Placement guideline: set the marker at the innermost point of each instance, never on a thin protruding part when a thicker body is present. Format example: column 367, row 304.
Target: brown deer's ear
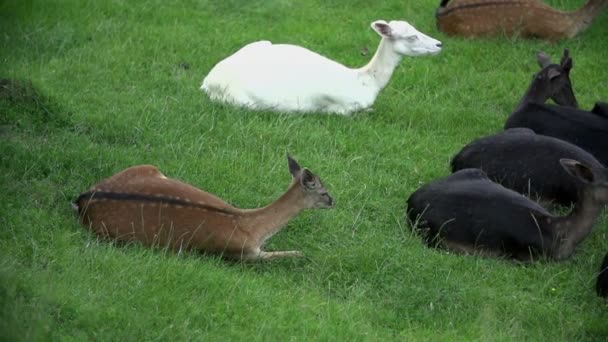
column 578, row 170
column 308, row 180
column 294, row 167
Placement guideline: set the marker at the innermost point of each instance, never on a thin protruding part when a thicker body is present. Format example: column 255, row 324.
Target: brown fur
column 526, row 18
column 141, row 204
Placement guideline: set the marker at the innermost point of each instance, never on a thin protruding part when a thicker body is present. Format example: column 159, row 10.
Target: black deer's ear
column 308, row 180
column 566, row 61
column 567, row 64
column 552, row 73
column 578, row 170
column 294, row 167
column 543, row 59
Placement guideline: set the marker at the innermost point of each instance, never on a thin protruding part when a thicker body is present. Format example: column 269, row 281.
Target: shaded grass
column 109, row 90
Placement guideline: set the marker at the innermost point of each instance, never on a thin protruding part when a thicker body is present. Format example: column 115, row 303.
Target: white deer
column 290, row 78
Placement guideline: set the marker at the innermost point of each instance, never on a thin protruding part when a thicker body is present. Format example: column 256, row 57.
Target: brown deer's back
column 528, row 18
column 141, row 204
column 148, row 180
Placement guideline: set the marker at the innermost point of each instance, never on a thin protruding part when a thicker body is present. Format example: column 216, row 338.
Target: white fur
column 290, row 78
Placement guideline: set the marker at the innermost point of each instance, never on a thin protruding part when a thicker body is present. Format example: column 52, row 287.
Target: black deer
column 586, row 129
column 602, row 279
column 468, row 212
column 528, row 163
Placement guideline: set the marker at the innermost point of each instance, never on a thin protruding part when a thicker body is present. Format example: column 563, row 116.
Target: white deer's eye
column 411, row 39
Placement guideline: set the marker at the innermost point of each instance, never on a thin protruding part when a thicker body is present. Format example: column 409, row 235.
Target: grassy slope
column 114, row 95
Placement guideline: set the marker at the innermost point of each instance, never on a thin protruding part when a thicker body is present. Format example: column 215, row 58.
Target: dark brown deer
column 586, row 129
column 552, row 81
column 525, row 18
column 141, row 204
column 467, row 212
column 528, row 163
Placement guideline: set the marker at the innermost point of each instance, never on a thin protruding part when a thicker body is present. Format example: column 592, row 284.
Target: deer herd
column 496, row 202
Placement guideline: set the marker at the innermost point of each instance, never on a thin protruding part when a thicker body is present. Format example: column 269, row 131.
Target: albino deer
column 141, row 204
column 527, row 18
column 290, row 78
column 467, row 212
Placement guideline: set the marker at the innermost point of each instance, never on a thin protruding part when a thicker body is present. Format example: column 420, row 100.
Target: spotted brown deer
column 467, row 212
column 526, row 18
column 141, row 204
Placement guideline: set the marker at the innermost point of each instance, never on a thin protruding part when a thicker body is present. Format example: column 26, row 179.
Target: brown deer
column 141, row 204
column 527, row 18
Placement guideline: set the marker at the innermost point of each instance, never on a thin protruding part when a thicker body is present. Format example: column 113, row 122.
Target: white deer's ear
column 383, row 28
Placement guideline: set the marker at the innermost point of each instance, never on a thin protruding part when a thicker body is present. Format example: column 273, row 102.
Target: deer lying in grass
column 528, row 163
column 523, row 161
column 526, row 18
column 141, row 204
column 467, row 212
column 587, row 130
column 602, row 279
column 290, row 78
column 552, row 81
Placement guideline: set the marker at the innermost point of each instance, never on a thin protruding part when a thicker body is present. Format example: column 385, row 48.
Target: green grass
column 109, row 90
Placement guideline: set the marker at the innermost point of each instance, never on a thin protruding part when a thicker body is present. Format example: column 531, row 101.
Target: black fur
column 602, row 279
column 527, row 163
column 600, row 108
column 467, row 208
column 588, row 130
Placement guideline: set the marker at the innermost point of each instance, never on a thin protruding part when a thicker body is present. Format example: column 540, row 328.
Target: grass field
column 115, row 83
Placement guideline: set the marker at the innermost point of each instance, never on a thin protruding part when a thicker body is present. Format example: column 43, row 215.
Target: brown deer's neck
column 584, row 16
column 262, row 223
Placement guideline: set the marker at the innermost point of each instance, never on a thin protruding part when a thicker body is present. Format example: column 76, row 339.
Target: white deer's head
column 406, row 40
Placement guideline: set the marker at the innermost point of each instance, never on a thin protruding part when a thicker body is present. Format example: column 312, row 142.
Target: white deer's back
column 288, row 78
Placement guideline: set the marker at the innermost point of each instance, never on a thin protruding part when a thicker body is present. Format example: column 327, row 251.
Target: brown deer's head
column 315, row 194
